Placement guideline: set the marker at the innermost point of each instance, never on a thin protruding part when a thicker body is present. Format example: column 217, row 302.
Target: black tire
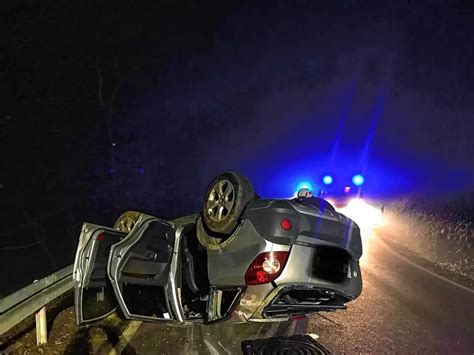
column 221, row 214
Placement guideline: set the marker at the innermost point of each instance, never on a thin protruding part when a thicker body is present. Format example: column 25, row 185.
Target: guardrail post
column 41, row 327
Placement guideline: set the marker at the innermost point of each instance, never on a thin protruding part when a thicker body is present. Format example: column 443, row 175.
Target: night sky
column 108, row 106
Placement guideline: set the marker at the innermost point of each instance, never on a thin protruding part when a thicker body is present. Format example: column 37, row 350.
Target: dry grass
column 442, row 233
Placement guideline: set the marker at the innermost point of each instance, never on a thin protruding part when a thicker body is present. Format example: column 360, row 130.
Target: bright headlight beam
column 363, row 213
column 368, row 217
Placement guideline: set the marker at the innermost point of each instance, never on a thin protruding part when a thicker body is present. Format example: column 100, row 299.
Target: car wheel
column 126, row 221
column 225, row 201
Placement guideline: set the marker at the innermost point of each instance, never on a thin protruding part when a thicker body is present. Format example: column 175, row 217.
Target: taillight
column 285, row 224
column 266, row 267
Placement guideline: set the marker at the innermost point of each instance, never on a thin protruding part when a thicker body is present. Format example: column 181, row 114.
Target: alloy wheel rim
column 220, row 201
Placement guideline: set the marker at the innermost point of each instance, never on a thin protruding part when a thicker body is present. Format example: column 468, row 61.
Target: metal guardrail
column 15, row 307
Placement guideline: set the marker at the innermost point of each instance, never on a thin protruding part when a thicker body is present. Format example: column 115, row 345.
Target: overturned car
column 242, row 259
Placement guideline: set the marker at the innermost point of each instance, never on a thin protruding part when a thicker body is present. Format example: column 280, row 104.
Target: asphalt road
column 404, row 308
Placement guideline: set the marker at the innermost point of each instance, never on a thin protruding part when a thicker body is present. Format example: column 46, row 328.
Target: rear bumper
column 265, row 303
column 301, row 289
column 287, row 301
column 302, row 267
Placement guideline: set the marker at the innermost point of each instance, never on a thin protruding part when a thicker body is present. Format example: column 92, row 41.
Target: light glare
column 363, row 213
column 358, row 180
column 304, row 185
column 328, row 180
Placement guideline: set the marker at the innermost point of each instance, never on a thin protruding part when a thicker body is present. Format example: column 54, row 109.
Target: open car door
column 139, row 270
column 93, row 294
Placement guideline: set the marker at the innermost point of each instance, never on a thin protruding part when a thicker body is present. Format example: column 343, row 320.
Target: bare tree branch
column 112, row 98
column 100, row 82
column 38, row 242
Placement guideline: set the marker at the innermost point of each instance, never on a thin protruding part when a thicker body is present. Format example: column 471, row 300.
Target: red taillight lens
column 285, row 224
column 266, row 267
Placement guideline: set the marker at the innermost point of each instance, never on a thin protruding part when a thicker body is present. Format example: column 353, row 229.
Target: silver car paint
column 325, row 214
column 298, row 270
column 227, row 266
column 85, row 259
column 171, row 289
column 116, row 261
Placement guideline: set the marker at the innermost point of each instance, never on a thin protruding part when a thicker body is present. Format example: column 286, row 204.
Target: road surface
column 404, row 308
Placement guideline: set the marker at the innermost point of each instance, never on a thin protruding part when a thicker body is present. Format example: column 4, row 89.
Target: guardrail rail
column 17, row 306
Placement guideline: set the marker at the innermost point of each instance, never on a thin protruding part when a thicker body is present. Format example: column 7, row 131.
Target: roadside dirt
column 65, row 337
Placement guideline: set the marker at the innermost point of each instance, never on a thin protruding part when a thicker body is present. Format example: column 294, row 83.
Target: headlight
column 363, row 213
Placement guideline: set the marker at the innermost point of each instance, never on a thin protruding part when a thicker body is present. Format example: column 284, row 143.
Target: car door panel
column 139, row 268
column 93, row 294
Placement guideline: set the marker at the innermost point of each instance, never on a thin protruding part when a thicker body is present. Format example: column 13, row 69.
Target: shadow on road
column 87, row 341
column 212, row 339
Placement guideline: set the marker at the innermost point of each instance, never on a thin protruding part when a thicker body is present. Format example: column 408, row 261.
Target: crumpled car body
column 285, row 259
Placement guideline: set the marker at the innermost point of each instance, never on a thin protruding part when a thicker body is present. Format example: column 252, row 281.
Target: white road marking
column 454, row 283
column 127, row 334
column 211, row 348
